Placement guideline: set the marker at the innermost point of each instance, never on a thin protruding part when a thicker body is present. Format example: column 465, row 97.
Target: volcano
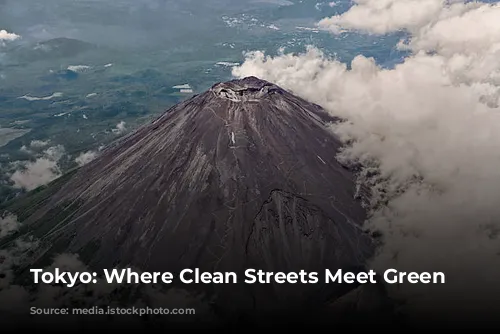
column 241, row 176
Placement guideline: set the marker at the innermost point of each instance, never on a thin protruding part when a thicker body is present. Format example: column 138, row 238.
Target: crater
column 246, row 89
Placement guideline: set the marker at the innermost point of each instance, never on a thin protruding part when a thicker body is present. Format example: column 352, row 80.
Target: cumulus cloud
column 8, row 36
column 39, row 143
column 8, row 224
column 85, row 157
column 35, row 174
column 39, row 172
column 68, row 262
column 427, row 133
column 79, row 68
column 55, row 152
column 25, row 148
column 384, row 16
column 120, row 128
column 36, row 145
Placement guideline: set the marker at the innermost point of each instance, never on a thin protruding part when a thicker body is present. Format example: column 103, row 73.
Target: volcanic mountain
column 242, row 176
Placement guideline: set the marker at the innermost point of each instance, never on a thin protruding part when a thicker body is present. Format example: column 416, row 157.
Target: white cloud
column 120, row 128
column 85, row 157
column 8, row 224
column 39, row 172
column 68, row 262
column 45, row 98
column 39, row 143
column 430, row 127
column 79, row 68
column 184, row 86
column 35, row 144
column 8, row 36
column 383, row 16
column 24, row 148
column 35, row 174
column 55, row 152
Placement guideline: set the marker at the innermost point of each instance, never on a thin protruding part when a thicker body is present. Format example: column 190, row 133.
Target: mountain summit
column 242, row 176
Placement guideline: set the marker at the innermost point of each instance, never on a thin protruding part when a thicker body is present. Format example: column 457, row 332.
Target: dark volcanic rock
column 241, row 176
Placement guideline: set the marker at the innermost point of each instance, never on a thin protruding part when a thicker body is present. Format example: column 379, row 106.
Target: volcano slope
column 242, row 176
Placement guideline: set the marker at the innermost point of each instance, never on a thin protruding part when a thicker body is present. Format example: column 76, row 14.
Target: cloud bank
column 427, row 133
